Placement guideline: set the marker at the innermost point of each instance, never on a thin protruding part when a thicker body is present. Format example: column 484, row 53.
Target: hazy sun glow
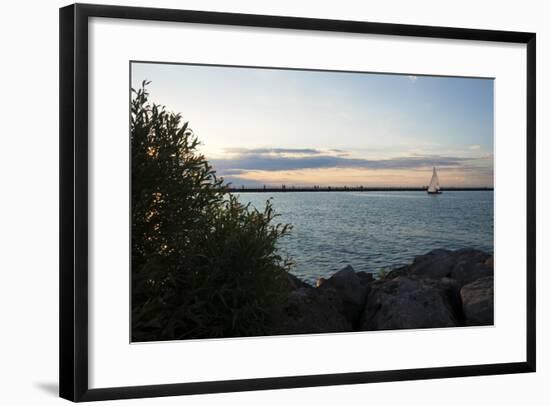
column 361, row 177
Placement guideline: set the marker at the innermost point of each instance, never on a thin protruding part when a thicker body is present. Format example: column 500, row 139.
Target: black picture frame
column 73, row 254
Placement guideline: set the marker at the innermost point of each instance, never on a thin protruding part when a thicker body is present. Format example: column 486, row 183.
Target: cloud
column 275, row 151
column 285, row 159
column 475, row 147
column 339, row 152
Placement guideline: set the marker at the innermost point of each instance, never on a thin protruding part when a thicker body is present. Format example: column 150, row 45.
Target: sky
column 304, row 128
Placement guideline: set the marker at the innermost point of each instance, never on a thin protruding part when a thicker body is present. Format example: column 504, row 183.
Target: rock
column 399, row 271
column 464, row 265
column 435, row 264
column 403, row 303
column 471, row 265
column 309, row 310
column 478, row 302
column 439, row 289
column 352, row 290
column 350, row 286
column 296, row 283
column 365, row 277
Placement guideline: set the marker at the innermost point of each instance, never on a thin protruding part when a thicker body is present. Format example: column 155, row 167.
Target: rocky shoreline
column 439, row 289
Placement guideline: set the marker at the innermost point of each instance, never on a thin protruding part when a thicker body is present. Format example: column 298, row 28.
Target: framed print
column 239, row 192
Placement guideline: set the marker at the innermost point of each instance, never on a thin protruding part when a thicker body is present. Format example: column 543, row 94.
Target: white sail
column 434, row 183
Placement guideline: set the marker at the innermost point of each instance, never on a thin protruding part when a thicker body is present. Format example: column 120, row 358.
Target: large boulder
column 403, row 303
column 351, row 288
column 435, row 264
column 464, row 266
column 478, row 302
column 470, row 265
column 309, row 310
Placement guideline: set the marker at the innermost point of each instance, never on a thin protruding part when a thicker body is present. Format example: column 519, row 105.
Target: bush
column 203, row 264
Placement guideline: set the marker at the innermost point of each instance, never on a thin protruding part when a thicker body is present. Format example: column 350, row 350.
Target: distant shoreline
column 352, row 189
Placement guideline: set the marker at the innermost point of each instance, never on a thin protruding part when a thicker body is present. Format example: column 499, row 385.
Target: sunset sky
column 303, row 128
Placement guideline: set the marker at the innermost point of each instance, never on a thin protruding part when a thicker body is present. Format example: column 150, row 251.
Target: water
column 376, row 230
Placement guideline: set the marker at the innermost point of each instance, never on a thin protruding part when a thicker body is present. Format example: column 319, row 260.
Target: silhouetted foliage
column 203, row 264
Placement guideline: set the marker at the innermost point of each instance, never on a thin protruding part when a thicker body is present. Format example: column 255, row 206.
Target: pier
column 289, row 189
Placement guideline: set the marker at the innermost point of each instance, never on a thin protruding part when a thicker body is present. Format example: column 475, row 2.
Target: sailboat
column 433, row 188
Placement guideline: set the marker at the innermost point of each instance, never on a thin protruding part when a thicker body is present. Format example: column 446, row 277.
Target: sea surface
column 374, row 231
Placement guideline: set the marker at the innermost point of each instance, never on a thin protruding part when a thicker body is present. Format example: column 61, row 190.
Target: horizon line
column 291, row 188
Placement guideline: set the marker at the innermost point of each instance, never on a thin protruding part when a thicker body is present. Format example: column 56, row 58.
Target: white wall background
column 29, row 207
